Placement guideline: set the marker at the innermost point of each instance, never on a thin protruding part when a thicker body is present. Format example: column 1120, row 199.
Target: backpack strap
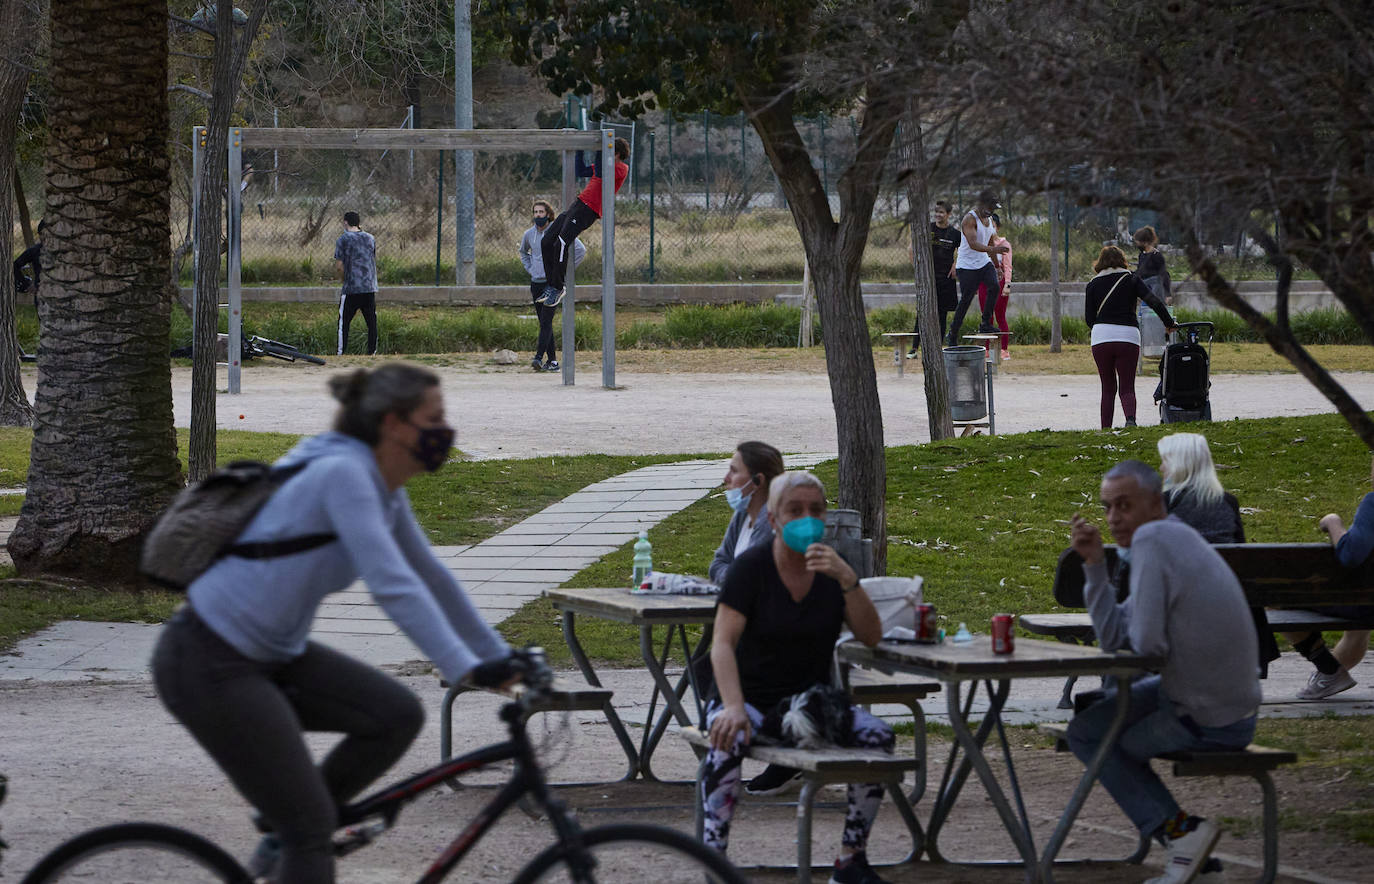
column 271, row 549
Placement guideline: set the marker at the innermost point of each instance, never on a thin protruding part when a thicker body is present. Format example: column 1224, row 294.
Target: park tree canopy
column 770, row 60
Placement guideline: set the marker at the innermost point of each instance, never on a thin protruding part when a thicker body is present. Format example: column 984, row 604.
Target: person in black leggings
column 580, row 215
column 236, row 665
column 532, row 256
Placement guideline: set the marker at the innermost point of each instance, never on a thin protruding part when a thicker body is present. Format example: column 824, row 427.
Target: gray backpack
column 202, row 524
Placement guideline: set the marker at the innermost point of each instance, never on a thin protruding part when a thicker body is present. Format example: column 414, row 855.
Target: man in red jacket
column 579, row 216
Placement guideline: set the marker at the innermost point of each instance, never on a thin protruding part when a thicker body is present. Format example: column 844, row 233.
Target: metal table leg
column 973, row 758
column 1085, row 782
column 612, row 717
column 672, row 695
column 685, row 681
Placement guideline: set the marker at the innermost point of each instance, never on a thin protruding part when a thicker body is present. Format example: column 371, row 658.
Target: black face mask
column 432, row 447
column 540, row 222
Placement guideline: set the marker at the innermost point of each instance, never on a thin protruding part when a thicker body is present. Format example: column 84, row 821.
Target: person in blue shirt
column 236, row 665
column 1353, row 548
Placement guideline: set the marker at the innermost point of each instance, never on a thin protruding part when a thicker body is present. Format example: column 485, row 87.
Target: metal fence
column 701, row 205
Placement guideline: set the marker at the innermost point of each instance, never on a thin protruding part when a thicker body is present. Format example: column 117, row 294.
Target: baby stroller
column 1185, row 379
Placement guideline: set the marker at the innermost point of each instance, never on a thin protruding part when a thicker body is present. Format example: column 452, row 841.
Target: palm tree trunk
column 103, row 462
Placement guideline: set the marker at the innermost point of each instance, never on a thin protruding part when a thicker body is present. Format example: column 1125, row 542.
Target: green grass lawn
column 984, row 519
column 465, row 502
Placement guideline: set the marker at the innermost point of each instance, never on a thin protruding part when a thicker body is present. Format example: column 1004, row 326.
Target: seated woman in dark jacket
column 1109, row 309
column 781, row 610
column 753, row 467
column 1193, row 494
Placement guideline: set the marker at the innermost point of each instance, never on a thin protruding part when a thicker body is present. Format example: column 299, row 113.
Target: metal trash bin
column 968, row 392
column 844, row 533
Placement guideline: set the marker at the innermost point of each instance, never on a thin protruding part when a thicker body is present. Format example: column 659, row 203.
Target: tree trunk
column 834, row 252
column 103, row 461
column 1056, row 306
column 18, row 19
column 229, row 57
column 911, row 150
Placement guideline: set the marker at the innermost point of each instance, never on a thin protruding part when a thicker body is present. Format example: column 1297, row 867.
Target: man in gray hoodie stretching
column 1185, row 605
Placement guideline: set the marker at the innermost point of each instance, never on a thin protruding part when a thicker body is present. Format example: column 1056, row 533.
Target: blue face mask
column 798, row 534
column 738, row 498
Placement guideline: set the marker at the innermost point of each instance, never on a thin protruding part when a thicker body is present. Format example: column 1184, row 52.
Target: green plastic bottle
column 644, row 559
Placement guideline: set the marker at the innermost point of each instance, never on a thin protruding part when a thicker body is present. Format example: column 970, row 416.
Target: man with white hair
column 1185, row 605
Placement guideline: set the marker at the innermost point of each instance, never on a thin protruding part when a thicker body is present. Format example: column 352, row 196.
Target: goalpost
column 501, row 140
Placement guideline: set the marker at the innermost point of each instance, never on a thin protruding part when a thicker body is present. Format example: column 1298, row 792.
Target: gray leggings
column 250, row 717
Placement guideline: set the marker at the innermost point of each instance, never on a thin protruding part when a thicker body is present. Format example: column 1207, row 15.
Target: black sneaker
column 536, row 364
column 856, row 871
column 987, row 328
column 775, row 780
column 552, row 365
column 1130, row 422
column 912, row 354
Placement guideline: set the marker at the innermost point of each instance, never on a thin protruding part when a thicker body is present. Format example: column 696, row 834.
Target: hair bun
column 348, row 389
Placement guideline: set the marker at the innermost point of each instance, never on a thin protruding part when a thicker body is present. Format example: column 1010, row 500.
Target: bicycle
column 617, row 851
column 256, row 346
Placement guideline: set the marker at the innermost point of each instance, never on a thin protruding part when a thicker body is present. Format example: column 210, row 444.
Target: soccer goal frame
column 497, row 140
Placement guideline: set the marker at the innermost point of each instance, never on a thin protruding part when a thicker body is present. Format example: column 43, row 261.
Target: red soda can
column 927, row 628
column 1002, row 641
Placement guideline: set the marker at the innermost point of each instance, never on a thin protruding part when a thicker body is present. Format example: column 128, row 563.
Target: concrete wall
column 1026, row 297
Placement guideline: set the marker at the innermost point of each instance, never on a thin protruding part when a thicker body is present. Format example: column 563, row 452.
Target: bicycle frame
column 527, row 779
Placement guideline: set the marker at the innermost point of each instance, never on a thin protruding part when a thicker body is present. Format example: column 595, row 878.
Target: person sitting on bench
column 1353, row 548
column 1185, row 605
column 781, row 610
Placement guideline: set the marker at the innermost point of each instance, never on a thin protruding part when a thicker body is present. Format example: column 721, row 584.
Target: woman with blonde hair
column 1192, row 491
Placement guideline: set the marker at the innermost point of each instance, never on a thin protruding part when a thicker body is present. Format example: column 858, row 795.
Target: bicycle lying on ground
column 633, row 852
column 256, row 346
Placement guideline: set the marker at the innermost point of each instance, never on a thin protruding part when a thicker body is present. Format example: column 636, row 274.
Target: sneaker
column 1006, row 354
column 1130, row 422
column 1212, row 873
column 1188, row 855
column 911, row 354
column 856, row 871
column 551, row 365
column 1320, row 685
column 266, row 856
column 775, row 780
column 553, row 297
column 987, row 328
column 536, row 364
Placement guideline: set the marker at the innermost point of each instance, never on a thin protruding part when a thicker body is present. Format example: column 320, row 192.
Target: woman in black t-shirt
column 782, row 606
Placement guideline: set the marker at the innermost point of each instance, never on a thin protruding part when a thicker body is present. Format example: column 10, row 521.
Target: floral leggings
column 720, row 786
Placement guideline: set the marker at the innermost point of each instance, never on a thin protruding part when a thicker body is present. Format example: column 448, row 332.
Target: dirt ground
column 68, row 775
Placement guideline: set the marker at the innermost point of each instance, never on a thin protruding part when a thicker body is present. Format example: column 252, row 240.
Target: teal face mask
column 798, row 534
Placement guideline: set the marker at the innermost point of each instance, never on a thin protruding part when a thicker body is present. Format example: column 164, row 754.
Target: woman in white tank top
column 974, row 265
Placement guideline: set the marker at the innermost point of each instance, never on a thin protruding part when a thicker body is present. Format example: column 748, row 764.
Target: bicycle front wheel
column 633, row 853
column 132, row 853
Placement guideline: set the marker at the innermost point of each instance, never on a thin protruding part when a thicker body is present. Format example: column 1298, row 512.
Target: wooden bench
column 567, row 695
column 1280, row 577
column 898, row 357
column 1253, row 761
column 820, row 767
column 868, row 686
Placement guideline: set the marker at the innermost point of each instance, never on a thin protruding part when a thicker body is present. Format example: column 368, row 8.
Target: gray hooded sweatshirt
column 264, row 607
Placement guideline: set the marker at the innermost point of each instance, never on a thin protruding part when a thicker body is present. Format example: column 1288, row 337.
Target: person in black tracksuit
column 944, row 244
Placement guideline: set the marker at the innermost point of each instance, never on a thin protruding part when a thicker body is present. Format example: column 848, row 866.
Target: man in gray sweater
column 1185, row 605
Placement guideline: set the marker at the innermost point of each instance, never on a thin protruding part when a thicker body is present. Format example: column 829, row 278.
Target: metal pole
column 276, row 159
column 570, row 298
column 439, row 223
column 235, row 260
column 608, row 259
column 462, row 119
column 743, row 163
column 410, row 124
column 198, row 136
column 706, row 175
column 651, row 206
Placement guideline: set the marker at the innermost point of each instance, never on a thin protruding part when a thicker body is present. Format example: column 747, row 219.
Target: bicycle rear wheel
column 133, row 853
column 290, row 354
column 634, row 853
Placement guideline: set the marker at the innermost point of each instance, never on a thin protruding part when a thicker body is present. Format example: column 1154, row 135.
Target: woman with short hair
column 1109, row 308
column 235, row 664
column 781, row 610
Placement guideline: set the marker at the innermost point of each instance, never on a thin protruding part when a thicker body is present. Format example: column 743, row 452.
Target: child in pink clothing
column 1002, row 263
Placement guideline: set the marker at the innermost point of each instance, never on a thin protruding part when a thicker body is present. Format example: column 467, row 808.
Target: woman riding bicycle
column 235, row 665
